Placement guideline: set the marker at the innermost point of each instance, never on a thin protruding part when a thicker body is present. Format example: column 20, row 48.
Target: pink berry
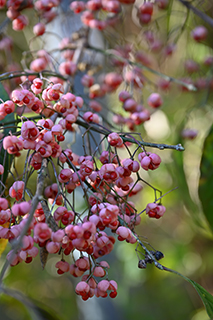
column 77, row 6
column 20, row 23
column 199, row 33
column 149, row 161
column 115, row 140
column 145, row 18
column 189, row 134
column 155, row 100
column 1, row 169
column 39, row 29
column 124, row 95
column 94, row 5
column 155, row 210
column 82, row 288
column 2, row 3
column 162, row 4
column 146, row 8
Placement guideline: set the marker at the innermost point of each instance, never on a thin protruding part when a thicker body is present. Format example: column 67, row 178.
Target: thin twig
column 16, row 74
column 190, row 87
column 199, row 13
column 96, row 128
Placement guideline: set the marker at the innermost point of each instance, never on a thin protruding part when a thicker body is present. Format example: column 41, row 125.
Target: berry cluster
column 46, row 113
column 111, row 184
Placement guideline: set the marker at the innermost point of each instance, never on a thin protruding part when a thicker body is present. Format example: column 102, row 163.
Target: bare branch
column 199, row 13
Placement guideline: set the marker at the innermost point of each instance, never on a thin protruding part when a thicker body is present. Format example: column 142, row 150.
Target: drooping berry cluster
column 111, row 184
column 107, row 181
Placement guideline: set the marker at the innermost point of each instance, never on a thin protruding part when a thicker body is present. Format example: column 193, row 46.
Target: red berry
column 113, row 294
column 42, row 151
column 199, row 33
column 87, row 234
column 146, row 8
column 61, row 137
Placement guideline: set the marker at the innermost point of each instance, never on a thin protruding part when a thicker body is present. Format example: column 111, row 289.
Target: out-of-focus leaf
column 181, row 178
column 183, row 186
column 37, row 310
column 205, row 296
column 3, row 244
column 206, row 178
column 3, row 93
column 169, row 10
column 44, row 313
column 5, row 158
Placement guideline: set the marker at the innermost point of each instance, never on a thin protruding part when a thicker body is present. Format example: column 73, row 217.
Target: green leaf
column 37, row 310
column 206, row 178
column 205, row 296
column 3, row 93
column 183, row 188
column 42, row 312
column 5, row 158
column 3, row 244
column 169, row 10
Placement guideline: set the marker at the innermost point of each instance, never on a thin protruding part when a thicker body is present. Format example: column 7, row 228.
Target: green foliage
column 37, row 311
column 181, row 180
column 43, row 289
column 206, row 178
column 3, row 94
column 205, row 296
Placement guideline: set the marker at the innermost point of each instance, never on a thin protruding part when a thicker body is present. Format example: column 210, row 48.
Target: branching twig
column 96, row 128
column 23, row 299
column 17, row 74
column 190, row 87
column 199, row 13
